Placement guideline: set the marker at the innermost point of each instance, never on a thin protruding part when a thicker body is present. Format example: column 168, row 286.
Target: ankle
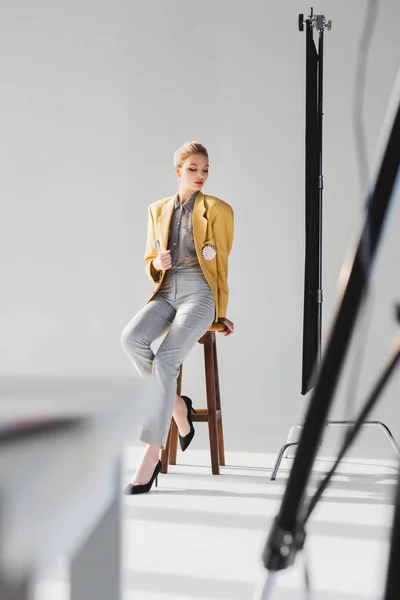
column 152, row 453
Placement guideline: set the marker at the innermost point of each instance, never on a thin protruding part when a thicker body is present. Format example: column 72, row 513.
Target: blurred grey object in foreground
column 60, row 484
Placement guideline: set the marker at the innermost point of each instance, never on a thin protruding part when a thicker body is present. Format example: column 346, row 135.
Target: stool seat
column 211, row 415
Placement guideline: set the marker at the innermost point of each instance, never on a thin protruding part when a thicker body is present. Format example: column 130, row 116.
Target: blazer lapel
column 164, row 221
column 200, row 221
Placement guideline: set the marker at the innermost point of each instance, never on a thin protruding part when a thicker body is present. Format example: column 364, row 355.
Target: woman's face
column 193, row 173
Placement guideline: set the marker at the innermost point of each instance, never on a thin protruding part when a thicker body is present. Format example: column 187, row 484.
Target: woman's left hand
column 229, row 326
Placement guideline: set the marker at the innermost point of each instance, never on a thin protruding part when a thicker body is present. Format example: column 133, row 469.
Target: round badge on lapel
column 209, row 252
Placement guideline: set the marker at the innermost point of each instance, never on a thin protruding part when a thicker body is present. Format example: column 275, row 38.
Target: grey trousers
column 184, row 307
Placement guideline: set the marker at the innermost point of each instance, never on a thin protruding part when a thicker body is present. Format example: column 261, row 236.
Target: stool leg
column 174, row 429
column 211, row 401
column 221, row 446
column 165, row 454
column 173, row 447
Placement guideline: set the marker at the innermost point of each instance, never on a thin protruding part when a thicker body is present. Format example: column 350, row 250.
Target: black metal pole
column 312, row 318
column 286, row 537
column 320, row 190
column 356, row 425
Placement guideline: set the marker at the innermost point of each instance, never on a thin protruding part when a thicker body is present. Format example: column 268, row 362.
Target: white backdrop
column 96, row 97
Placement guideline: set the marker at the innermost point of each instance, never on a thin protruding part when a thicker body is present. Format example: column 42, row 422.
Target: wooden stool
column 211, row 414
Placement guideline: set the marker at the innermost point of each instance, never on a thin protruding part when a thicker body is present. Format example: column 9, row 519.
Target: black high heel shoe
column 136, row 488
column 185, row 440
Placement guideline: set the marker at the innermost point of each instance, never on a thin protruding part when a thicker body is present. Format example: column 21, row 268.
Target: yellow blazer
column 213, row 223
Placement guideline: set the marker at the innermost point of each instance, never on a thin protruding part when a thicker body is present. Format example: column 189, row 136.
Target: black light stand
column 312, row 339
column 312, row 325
column 287, row 534
column 314, row 184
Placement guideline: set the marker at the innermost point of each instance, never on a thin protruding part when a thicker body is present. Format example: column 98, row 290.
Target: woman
column 188, row 243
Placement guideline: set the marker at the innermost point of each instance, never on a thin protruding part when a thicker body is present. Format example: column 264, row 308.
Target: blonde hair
column 188, row 149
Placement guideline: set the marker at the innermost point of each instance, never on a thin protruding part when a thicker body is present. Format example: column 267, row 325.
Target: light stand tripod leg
column 388, row 434
column 279, row 458
column 379, row 424
column 382, row 426
column 293, row 436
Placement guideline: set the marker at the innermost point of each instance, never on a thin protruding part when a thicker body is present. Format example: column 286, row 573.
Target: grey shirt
column 180, row 236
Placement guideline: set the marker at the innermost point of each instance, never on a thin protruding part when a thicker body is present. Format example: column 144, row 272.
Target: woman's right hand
column 163, row 262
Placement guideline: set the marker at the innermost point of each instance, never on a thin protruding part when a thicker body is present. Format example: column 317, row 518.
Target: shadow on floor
column 212, row 588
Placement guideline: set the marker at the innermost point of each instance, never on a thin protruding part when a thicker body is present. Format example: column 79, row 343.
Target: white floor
column 201, row 537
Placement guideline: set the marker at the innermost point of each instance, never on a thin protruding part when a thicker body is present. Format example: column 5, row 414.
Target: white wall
column 96, row 97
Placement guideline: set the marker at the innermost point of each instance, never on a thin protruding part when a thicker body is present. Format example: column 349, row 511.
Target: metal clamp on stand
column 282, row 547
